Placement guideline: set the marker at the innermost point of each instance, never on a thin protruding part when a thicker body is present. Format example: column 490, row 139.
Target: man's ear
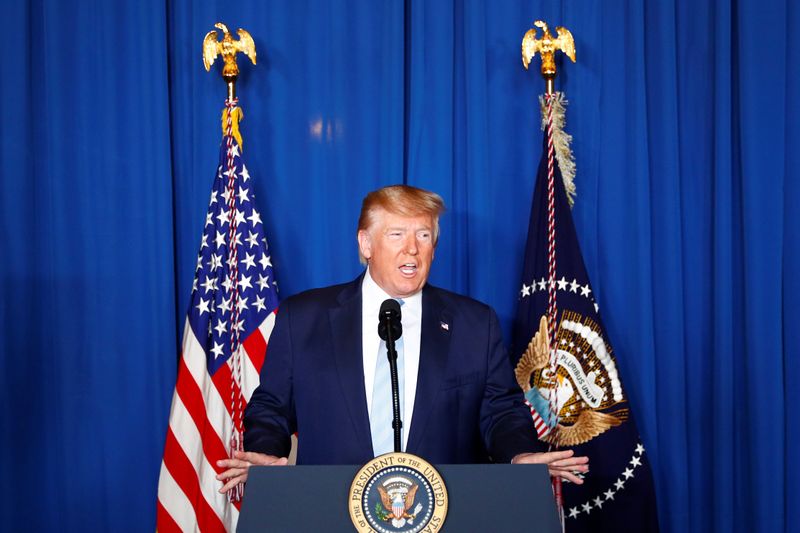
column 365, row 243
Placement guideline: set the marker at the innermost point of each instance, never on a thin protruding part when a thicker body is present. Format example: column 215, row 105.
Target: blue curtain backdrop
column 686, row 123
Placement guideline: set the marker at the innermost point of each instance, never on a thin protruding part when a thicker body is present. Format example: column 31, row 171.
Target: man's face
column 399, row 250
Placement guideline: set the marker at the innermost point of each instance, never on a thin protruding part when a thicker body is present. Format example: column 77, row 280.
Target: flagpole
column 228, row 48
column 547, row 46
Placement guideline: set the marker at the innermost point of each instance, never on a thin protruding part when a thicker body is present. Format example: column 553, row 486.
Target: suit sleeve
column 506, row 423
column 269, row 419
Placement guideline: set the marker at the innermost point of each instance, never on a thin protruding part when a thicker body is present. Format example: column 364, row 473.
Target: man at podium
column 325, row 376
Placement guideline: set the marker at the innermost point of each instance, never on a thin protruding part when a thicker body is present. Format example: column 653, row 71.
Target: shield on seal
column 398, row 506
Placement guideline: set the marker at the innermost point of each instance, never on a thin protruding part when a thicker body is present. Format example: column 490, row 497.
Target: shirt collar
column 373, row 296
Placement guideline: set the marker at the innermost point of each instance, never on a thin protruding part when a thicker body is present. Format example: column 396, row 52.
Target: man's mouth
column 409, row 269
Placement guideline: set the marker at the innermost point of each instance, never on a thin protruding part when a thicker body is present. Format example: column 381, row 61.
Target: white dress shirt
column 372, row 296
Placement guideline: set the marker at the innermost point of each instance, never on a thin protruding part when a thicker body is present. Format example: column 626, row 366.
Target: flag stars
column 260, row 303
column 254, row 218
column 636, row 462
column 639, row 449
column 526, row 291
column 619, row 484
column 628, row 473
column 220, row 328
column 244, row 194
column 202, row 307
column 263, row 282
column 209, row 218
column 573, row 512
column 227, row 284
column 587, row 507
column 542, row 284
column 249, row 261
column 219, row 240
column 217, row 350
column 226, row 195
column 585, row 290
column 216, row 262
column 265, row 261
column 223, row 216
column 598, row 502
column 239, row 216
column 204, row 241
column 210, row 284
column 562, row 284
column 244, row 282
column 241, row 305
column 573, row 287
column 244, row 174
column 234, row 151
column 252, row 239
column 609, row 494
column 228, row 173
column 225, row 306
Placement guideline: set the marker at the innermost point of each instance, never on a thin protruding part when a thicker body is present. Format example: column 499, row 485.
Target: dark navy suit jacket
column 467, row 409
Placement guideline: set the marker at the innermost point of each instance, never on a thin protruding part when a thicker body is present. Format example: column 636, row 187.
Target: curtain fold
column 88, row 343
column 685, row 123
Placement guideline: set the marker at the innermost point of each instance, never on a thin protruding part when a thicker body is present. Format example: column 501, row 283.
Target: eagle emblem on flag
column 586, row 385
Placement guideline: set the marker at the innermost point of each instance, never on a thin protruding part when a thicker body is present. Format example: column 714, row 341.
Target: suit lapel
column 346, row 341
column 434, row 350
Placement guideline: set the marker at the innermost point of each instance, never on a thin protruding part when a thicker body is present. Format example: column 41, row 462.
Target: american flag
column 231, row 315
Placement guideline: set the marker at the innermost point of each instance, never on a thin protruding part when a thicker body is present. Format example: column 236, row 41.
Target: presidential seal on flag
column 586, row 385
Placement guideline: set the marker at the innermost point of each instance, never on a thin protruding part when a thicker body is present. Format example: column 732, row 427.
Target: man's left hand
column 561, row 463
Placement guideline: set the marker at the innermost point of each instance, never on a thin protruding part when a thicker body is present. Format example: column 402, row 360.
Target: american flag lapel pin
column 445, row 326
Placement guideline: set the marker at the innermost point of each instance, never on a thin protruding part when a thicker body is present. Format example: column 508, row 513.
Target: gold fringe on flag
column 561, row 141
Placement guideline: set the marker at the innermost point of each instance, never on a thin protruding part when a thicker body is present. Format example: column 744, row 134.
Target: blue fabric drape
column 87, row 307
column 685, row 118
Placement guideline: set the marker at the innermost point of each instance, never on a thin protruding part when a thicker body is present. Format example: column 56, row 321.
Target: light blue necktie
column 380, row 420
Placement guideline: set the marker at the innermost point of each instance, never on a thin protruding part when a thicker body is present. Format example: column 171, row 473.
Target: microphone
column 390, row 328
column 389, row 324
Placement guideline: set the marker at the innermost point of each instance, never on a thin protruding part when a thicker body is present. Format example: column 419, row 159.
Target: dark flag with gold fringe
column 564, row 361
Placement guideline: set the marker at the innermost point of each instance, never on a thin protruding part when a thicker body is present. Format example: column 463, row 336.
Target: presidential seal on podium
column 397, row 493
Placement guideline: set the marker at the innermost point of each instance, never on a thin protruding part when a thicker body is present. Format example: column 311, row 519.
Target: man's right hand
column 238, row 466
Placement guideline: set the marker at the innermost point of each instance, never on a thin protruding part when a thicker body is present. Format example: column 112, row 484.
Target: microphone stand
column 391, row 353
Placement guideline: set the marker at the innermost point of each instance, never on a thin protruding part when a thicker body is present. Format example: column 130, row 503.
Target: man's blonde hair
column 403, row 200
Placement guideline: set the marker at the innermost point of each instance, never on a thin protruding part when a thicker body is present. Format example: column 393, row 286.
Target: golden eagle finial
column 228, row 48
column 547, row 47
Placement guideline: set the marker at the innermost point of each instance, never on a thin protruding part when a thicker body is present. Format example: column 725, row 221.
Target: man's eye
column 424, row 235
column 395, row 234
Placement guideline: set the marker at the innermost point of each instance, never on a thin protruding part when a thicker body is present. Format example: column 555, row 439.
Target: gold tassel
column 561, row 142
column 237, row 116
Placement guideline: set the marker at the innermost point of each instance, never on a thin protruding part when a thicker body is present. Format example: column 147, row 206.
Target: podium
column 482, row 498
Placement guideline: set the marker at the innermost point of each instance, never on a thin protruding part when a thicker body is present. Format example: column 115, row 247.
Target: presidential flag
column 233, row 304
column 565, row 364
